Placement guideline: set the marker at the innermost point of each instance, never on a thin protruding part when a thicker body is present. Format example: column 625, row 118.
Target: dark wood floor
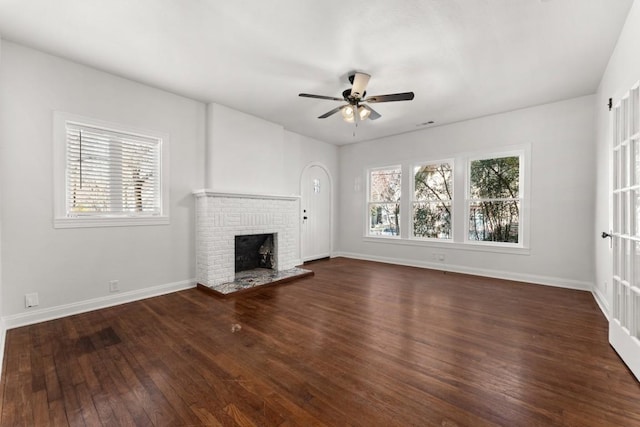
column 360, row 343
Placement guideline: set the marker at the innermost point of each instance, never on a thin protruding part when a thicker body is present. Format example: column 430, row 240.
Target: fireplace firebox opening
column 255, row 251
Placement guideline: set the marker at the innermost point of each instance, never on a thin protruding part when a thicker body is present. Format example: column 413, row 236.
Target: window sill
column 447, row 244
column 88, row 222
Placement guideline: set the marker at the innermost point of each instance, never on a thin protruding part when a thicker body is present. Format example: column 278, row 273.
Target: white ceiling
column 462, row 58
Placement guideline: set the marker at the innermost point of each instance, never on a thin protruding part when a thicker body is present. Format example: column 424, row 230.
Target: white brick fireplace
column 222, row 216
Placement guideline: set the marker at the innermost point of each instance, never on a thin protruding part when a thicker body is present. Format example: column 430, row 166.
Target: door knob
column 304, row 217
column 604, row 235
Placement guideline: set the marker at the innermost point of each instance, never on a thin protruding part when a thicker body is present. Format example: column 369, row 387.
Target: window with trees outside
column 432, row 200
column 107, row 174
column 384, row 201
column 495, row 200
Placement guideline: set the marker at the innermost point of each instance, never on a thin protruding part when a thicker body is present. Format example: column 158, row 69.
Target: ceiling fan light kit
column 363, row 112
column 356, row 109
column 349, row 116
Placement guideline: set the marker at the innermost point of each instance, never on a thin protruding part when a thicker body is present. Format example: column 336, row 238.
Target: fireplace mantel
column 211, row 193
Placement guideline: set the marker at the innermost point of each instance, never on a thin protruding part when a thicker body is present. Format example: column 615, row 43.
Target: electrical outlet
column 31, row 300
column 438, row 257
column 114, row 285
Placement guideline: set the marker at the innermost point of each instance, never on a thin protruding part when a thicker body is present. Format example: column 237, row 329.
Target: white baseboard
column 602, row 302
column 497, row 274
column 31, row 317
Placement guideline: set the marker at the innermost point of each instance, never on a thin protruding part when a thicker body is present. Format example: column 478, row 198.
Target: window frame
column 61, row 218
column 461, row 181
column 369, row 203
column 413, row 201
column 522, row 197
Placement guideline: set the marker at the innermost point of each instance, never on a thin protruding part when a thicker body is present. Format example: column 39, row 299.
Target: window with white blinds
column 109, row 175
column 111, row 172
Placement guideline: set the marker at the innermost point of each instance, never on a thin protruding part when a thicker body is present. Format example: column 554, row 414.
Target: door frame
column 331, row 196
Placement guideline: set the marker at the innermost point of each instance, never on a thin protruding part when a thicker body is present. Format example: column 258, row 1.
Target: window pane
column 384, row 219
column 624, row 162
column 495, row 178
column 494, row 221
column 385, row 185
column 140, row 179
column 635, row 111
column 635, row 160
column 623, row 213
column 433, row 182
column 111, row 172
column 627, row 261
column 432, row 220
column 636, row 265
column 616, row 262
column 636, row 214
column 616, row 169
column 624, row 119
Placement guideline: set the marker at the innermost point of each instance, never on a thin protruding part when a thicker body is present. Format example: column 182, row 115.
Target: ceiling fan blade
column 405, row 96
column 373, row 114
column 360, row 81
column 308, row 95
column 331, row 113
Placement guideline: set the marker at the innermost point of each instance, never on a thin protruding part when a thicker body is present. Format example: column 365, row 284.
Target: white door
column 316, row 213
column 624, row 325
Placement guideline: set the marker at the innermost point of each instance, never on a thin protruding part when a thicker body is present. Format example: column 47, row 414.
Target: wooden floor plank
column 359, row 343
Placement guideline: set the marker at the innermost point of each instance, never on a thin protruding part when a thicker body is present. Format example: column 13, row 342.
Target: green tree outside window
column 494, row 200
column 433, row 194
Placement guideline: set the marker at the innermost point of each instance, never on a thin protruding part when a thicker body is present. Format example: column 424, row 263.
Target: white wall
column 247, row 154
column 70, row 268
column 244, row 153
column 561, row 137
column 622, row 72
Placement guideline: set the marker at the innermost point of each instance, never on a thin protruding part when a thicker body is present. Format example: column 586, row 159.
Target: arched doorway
column 316, row 230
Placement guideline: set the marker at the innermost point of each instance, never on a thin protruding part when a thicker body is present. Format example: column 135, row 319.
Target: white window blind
column 111, row 173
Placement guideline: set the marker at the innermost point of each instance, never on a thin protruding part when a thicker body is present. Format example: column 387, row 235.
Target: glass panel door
column 624, row 326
